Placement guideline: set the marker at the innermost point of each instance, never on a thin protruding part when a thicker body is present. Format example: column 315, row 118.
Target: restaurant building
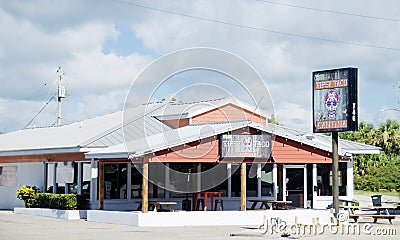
column 103, row 158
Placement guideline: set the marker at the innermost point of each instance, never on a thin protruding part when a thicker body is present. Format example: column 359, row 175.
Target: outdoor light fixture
column 271, row 159
column 347, row 154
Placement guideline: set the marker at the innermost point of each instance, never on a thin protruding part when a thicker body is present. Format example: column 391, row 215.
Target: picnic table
column 157, row 206
column 381, row 212
column 270, row 204
column 346, row 202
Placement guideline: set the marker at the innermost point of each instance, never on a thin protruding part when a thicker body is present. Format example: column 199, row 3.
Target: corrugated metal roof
column 103, row 131
column 319, row 141
column 98, row 132
column 142, row 120
column 167, row 139
column 188, row 110
column 135, row 123
column 192, row 133
column 30, row 141
column 138, row 122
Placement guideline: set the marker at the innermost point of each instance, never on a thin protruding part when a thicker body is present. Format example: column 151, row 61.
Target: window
column 156, row 173
column 266, row 180
column 115, row 181
column 65, row 174
column 220, row 187
column 86, row 171
column 235, row 190
column 324, row 179
column 50, row 177
column 251, row 180
column 85, row 179
column 136, row 182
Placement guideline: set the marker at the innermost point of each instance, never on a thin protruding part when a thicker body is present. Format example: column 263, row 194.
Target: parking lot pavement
column 16, row 226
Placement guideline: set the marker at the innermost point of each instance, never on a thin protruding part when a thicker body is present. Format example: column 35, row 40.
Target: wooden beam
column 243, row 187
column 145, row 188
column 115, row 161
column 101, row 186
column 59, row 157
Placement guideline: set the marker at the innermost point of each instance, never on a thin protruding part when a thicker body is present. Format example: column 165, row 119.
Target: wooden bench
column 274, row 204
column 378, row 212
column 355, row 217
column 158, row 206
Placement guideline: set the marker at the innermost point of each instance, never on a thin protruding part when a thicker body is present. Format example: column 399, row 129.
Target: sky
column 102, row 47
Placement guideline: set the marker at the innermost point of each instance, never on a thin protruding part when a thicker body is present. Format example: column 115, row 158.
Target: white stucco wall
column 27, row 174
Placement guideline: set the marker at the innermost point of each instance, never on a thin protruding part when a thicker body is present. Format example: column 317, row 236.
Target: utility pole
column 61, row 94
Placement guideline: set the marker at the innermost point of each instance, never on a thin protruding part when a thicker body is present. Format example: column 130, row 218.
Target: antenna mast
column 61, row 94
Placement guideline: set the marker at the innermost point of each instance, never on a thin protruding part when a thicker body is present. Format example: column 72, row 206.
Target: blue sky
column 125, row 44
column 103, row 46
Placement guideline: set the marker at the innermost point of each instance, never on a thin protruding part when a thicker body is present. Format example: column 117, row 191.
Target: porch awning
column 184, row 135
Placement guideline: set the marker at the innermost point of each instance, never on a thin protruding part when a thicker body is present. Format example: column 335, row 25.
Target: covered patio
column 295, row 155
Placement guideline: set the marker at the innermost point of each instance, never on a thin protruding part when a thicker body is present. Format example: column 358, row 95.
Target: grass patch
column 383, row 192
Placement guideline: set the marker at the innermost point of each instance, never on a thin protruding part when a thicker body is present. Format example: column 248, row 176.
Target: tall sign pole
column 61, row 94
column 335, row 171
column 335, row 110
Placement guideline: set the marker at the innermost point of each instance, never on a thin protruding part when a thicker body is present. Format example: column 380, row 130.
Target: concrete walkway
column 17, row 226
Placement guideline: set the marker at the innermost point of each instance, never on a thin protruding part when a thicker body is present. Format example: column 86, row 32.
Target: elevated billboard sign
column 335, row 100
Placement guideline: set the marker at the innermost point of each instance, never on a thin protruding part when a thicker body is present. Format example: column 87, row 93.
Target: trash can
column 187, row 205
column 376, row 200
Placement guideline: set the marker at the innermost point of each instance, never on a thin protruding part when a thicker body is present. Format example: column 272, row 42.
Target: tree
column 274, row 120
column 374, row 172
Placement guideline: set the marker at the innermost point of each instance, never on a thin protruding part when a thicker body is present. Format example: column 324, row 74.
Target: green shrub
column 43, row 200
column 28, row 195
column 384, row 177
column 57, row 201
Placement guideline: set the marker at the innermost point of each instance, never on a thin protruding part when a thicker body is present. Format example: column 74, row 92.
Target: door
column 295, row 185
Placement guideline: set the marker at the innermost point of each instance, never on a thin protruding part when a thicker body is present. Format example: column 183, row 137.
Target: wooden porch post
column 243, row 187
column 101, row 185
column 145, row 187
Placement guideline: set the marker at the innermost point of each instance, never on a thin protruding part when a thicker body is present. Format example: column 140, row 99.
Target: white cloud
column 38, row 36
column 16, row 114
column 96, row 72
column 31, row 55
column 294, row 115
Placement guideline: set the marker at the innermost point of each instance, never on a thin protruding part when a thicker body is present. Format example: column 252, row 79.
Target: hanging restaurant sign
column 335, row 100
column 254, row 146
